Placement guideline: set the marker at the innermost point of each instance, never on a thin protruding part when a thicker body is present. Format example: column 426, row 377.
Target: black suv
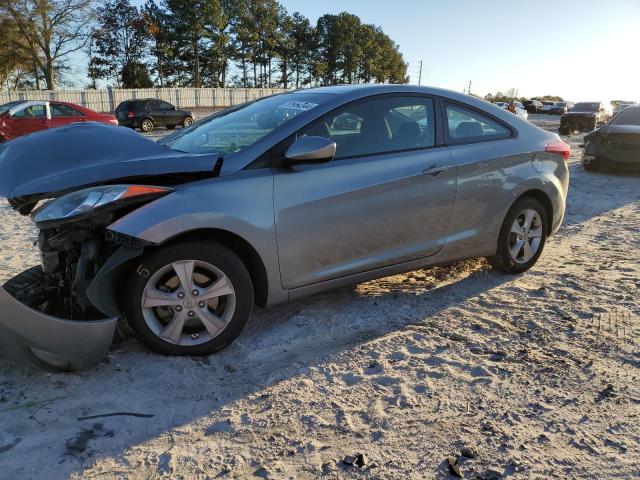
column 150, row 113
column 532, row 106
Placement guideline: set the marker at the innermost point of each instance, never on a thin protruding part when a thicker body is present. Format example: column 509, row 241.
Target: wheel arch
column 544, row 199
column 241, row 247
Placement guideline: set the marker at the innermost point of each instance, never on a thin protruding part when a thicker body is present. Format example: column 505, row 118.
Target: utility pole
column 469, row 88
column 420, row 75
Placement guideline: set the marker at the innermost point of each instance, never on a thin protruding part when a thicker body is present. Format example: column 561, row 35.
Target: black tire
column 186, row 122
column 564, row 131
column 146, row 125
column 503, row 260
column 213, row 253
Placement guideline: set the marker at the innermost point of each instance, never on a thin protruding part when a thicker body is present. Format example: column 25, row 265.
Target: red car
column 25, row 116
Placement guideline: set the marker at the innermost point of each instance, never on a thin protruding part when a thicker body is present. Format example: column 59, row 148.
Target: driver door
column 386, row 198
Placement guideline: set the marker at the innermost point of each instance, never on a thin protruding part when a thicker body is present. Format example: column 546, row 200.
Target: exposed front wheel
column 192, row 298
column 187, row 122
column 522, row 237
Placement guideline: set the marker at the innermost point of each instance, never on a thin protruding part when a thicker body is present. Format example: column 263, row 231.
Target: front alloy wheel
column 187, row 122
column 189, row 299
column 188, row 302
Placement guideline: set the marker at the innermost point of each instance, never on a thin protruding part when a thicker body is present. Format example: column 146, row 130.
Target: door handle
column 435, row 170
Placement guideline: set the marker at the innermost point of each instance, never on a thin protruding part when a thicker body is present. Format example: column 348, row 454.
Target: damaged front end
column 577, row 122
column 613, row 146
column 64, row 313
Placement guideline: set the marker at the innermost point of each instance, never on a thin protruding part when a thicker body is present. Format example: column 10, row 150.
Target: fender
column 216, row 203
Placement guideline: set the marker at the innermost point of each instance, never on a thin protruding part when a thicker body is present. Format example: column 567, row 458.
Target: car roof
column 354, row 92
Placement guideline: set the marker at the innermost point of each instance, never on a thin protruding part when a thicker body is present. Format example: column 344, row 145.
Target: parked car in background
column 151, row 113
column 27, row 116
column 621, row 106
column 616, row 144
column 560, row 108
column 583, row 116
column 267, row 202
column 546, row 106
column 532, row 106
column 520, row 110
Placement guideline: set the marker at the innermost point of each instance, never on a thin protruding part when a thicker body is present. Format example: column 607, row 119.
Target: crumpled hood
column 629, row 132
column 580, row 114
column 606, row 130
column 85, row 154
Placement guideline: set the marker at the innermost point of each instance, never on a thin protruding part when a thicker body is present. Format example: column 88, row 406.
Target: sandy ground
column 530, row 377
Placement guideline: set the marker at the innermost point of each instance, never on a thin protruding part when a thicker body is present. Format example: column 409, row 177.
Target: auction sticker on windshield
column 302, row 106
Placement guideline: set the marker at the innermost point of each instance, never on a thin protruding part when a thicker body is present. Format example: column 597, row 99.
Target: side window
column 466, row 124
column 32, row 111
column 165, row 106
column 152, row 106
column 58, row 110
column 378, row 126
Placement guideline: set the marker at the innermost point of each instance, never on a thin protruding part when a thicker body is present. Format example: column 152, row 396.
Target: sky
column 579, row 49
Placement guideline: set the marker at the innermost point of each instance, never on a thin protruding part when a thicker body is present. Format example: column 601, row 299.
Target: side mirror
column 311, row 150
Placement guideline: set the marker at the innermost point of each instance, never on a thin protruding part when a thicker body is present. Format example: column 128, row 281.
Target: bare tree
column 51, row 30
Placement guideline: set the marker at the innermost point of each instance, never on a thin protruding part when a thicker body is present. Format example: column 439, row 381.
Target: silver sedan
column 265, row 203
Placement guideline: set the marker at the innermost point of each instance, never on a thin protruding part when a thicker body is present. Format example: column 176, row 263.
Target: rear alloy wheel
column 522, row 237
column 146, row 125
column 189, row 299
column 187, row 122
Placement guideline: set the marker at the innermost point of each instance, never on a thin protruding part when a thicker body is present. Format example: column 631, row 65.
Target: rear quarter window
column 123, row 107
column 466, row 125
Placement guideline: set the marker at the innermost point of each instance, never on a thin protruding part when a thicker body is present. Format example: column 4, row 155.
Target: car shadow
column 279, row 343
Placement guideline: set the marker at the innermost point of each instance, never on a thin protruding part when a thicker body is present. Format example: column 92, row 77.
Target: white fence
column 108, row 99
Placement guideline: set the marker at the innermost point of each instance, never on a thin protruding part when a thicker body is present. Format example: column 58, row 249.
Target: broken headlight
column 76, row 204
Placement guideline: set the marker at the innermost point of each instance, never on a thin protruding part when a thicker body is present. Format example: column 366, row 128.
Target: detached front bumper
column 62, row 344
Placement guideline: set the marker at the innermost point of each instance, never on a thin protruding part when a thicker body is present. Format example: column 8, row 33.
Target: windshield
column 237, row 128
column 8, row 106
column 629, row 116
column 586, row 107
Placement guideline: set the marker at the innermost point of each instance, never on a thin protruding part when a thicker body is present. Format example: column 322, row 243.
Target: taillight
column 130, row 114
column 559, row 148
